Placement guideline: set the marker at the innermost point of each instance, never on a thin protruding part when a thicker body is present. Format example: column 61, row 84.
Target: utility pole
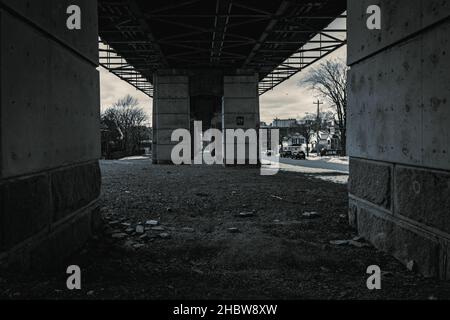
column 318, row 120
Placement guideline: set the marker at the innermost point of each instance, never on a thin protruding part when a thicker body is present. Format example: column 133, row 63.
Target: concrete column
column 49, row 132
column 240, row 108
column 171, row 105
column 398, row 130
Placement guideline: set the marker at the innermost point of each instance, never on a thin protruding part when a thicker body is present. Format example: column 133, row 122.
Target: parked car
column 286, row 154
column 300, row 155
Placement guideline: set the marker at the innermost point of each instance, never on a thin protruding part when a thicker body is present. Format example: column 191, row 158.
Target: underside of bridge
column 210, row 61
column 187, row 54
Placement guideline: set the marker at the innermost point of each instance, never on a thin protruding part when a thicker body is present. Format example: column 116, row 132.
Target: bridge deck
column 276, row 38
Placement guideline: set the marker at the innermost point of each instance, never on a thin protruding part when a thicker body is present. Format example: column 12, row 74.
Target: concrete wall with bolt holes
column 398, row 126
column 49, row 132
column 240, row 111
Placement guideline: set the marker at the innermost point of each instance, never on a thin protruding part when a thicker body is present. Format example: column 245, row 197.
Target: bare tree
column 305, row 130
column 128, row 118
column 330, row 80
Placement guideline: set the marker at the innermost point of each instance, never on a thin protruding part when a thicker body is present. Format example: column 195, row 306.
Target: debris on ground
column 246, row 214
column 119, row 236
column 311, row 215
column 140, row 229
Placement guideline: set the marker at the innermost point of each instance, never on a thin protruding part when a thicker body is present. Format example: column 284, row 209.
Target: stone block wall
column 49, row 131
column 398, row 126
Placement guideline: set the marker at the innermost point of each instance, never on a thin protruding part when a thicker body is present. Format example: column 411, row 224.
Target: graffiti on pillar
column 374, row 20
column 74, row 19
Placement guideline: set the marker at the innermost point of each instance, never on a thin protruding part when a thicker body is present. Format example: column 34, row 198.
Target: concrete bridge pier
column 399, row 136
column 220, row 99
column 49, row 131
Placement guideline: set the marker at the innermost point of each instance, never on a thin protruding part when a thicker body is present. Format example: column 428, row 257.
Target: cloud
column 112, row 89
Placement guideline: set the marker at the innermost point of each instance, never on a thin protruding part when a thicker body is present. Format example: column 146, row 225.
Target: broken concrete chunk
column 311, row 215
column 411, row 265
column 339, row 242
column 246, row 214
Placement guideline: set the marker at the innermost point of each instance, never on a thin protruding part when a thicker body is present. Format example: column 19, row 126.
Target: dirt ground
column 204, row 248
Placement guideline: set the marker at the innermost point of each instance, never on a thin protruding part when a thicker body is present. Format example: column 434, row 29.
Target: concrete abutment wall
column 50, row 138
column 398, row 126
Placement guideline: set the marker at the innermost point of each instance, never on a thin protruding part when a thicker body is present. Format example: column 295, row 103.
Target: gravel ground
column 223, row 233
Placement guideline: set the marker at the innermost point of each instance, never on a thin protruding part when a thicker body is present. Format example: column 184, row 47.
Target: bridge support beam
column 399, row 136
column 221, row 100
column 49, row 132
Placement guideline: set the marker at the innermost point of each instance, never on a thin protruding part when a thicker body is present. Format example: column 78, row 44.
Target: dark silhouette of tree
column 126, row 117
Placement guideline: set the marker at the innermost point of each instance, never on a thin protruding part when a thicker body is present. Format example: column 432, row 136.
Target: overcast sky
column 288, row 100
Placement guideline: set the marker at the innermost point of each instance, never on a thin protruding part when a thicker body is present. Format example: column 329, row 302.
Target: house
column 328, row 140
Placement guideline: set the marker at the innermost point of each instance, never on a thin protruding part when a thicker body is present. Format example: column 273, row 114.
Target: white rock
column 140, row 229
column 152, row 223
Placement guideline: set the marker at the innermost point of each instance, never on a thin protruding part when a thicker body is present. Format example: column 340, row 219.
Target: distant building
column 284, row 123
column 327, row 140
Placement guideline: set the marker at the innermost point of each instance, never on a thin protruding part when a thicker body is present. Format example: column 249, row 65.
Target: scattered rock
column 140, row 229
column 158, row 229
column 411, row 265
column 126, row 224
column 276, row 197
column 233, row 230
column 190, row 230
column 114, row 223
column 119, row 236
column 90, row 293
column 339, row 242
column 152, row 223
column 356, row 242
column 138, row 246
column 311, row 215
column 129, row 230
column 247, row 214
column 164, row 235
